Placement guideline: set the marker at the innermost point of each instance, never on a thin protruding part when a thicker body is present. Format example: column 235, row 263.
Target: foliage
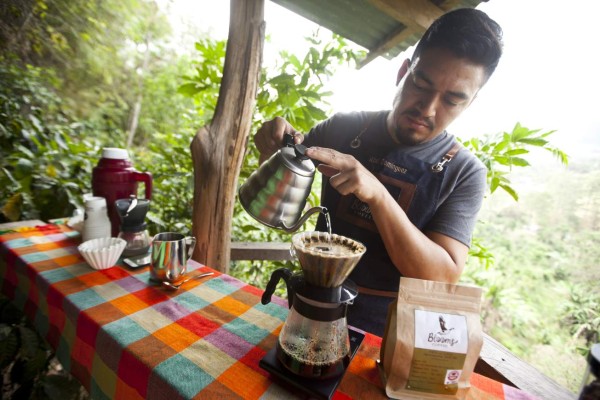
column 26, row 361
column 542, row 297
column 45, row 155
column 503, row 151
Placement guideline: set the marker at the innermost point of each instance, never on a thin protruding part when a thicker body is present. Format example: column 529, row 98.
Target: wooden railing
column 495, row 360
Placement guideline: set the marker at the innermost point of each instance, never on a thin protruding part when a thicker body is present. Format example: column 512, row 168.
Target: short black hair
column 468, row 33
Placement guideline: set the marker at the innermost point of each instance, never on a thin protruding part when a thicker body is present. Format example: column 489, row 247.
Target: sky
column 546, row 79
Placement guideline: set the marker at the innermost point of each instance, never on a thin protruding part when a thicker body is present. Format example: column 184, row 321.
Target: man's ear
column 402, row 71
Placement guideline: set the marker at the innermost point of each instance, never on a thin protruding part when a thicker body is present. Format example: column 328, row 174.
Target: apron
column 415, row 185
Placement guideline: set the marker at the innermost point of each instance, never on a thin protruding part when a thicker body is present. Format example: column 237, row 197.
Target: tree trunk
column 218, row 148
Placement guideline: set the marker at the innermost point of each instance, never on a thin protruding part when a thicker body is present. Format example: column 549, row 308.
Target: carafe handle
column 281, row 273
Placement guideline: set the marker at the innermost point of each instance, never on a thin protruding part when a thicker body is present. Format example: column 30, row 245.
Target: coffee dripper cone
column 326, row 260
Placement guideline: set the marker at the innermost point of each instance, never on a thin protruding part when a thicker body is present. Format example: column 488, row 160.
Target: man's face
column 437, row 88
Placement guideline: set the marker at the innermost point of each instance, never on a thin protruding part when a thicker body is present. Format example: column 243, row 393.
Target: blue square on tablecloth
column 56, row 275
column 34, row 257
column 188, row 380
column 273, row 310
column 85, row 299
column 190, row 301
column 18, row 243
column 125, row 331
column 246, row 330
column 221, row 286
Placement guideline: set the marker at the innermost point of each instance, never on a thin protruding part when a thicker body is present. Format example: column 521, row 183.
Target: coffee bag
column 432, row 340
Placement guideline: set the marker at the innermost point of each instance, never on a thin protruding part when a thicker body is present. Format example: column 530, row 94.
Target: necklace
column 356, row 142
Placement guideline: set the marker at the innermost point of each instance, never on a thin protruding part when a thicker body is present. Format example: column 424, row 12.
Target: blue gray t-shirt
column 464, row 184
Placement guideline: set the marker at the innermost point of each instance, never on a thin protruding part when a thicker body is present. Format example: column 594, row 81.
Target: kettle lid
column 295, row 158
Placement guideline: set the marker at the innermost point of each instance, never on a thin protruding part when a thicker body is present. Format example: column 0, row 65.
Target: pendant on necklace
column 355, row 143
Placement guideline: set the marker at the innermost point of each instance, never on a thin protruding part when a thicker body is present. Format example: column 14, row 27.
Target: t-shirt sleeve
column 456, row 216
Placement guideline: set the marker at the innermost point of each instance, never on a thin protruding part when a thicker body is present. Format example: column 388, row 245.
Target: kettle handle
column 281, row 273
column 288, row 140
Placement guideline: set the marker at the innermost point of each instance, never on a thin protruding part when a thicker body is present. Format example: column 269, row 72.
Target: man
column 397, row 181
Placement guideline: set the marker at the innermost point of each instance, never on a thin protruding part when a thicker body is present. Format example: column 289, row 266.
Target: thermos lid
column 115, row 153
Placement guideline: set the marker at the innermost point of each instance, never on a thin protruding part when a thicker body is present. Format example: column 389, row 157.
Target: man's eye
column 452, row 101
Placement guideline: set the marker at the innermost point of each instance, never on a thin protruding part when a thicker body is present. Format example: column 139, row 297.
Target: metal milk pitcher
column 275, row 194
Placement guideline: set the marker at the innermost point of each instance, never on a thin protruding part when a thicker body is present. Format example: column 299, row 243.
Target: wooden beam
column 385, row 45
column 498, row 363
column 413, row 13
column 260, row 251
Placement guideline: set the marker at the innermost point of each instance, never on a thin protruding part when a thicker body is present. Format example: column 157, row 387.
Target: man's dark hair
column 468, row 33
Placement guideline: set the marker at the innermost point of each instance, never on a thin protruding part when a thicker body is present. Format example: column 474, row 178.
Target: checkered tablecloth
column 124, row 338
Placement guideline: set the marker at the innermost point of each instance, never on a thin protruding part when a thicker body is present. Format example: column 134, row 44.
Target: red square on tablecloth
column 198, row 324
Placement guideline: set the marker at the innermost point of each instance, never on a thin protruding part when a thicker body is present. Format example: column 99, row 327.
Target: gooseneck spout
column 302, row 220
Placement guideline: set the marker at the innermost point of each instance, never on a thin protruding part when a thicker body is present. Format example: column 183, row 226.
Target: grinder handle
column 281, row 273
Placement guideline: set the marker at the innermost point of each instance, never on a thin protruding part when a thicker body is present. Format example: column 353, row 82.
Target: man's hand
column 269, row 137
column 346, row 174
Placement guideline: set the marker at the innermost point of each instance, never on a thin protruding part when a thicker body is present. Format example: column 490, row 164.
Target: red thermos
column 115, row 178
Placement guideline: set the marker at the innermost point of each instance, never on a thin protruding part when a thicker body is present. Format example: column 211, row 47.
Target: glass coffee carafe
column 314, row 341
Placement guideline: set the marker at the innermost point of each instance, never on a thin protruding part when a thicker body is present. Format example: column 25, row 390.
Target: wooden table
column 123, row 337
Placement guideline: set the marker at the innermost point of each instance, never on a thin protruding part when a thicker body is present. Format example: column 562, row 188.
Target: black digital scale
column 319, row 388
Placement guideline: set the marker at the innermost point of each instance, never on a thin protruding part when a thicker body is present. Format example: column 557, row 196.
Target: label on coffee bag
column 441, row 343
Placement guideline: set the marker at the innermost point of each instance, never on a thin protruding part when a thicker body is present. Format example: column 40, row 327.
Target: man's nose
column 428, row 105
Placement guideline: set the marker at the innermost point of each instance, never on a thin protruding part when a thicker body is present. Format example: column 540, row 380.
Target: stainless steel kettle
column 275, row 194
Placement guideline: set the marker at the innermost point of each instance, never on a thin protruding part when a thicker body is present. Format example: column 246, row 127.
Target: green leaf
column 188, row 89
column 519, row 162
column 29, row 342
column 9, row 345
column 60, row 387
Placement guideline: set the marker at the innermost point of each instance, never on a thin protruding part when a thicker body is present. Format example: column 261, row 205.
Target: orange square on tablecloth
column 232, row 306
column 366, row 368
column 245, row 381
column 487, row 385
column 129, row 304
column 105, row 313
column 94, row 278
column 69, row 286
column 68, row 260
column 47, row 246
column 176, row 336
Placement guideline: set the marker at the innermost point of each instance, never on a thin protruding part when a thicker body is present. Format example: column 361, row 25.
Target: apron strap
column 439, row 167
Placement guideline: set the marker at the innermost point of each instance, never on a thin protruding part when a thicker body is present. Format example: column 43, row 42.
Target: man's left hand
column 346, row 174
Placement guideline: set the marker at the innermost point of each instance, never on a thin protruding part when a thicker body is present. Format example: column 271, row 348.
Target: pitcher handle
column 190, row 242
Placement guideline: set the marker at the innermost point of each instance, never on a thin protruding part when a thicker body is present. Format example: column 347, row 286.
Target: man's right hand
column 269, row 137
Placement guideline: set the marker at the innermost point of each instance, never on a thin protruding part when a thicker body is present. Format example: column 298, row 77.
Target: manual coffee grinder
column 132, row 212
column 314, row 341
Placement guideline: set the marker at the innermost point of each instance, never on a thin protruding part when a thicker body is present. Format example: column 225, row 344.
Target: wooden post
column 218, row 148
